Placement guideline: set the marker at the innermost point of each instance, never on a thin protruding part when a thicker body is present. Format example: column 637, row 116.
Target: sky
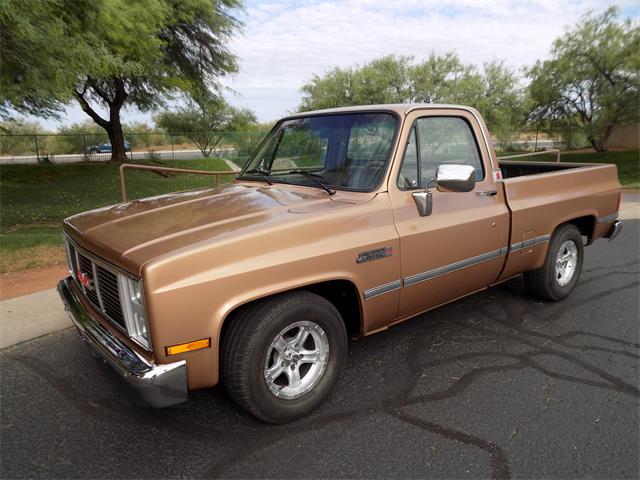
column 284, row 43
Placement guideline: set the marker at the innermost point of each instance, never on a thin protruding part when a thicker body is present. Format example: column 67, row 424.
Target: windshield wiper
column 263, row 174
column 313, row 176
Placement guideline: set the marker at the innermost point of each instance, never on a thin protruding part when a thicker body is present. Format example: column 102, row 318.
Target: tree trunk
column 604, row 141
column 600, row 144
column 116, row 137
column 118, row 153
column 593, row 142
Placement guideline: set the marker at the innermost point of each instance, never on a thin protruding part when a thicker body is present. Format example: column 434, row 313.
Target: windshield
column 348, row 151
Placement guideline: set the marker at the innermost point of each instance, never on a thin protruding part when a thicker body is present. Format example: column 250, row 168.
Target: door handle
column 487, row 193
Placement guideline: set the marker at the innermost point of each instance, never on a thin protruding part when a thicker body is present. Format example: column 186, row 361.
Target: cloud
column 285, row 43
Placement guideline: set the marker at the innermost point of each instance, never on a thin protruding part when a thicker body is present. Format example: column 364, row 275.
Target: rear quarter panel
column 540, row 203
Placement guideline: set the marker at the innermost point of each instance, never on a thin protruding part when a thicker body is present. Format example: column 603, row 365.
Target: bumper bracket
column 614, row 231
column 158, row 385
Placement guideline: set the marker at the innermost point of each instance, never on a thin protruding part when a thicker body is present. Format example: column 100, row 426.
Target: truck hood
column 133, row 233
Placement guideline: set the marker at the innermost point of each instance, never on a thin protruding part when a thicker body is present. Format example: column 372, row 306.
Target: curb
column 31, row 316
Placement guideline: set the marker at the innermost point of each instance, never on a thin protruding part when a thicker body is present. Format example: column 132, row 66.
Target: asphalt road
column 495, row 385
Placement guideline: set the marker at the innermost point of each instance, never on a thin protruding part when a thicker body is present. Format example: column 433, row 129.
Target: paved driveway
column 496, row 385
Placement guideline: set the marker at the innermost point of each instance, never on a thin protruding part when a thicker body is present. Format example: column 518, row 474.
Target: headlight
column 135, row 316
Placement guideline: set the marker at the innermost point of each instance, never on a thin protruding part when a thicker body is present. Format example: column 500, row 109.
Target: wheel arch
column 586, row 225
column 342, row 293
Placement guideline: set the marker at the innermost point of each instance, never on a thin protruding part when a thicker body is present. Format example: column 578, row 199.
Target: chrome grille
column 109, row 294
column 103, row 291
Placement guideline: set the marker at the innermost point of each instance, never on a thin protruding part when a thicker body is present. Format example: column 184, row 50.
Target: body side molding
column 382, row 289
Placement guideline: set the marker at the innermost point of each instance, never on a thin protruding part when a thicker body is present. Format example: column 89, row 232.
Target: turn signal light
column 188, row 347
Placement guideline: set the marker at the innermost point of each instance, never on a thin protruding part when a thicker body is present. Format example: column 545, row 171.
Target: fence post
column 173, row 153
column 84, row 146
column 37, row 148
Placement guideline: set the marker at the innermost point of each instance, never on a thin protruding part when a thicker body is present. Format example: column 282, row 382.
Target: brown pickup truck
column 342, row 223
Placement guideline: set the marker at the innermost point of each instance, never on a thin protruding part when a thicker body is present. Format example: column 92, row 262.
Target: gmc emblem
column 85, row 280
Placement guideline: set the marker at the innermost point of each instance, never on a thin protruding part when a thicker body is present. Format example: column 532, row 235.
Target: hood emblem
column 374, row 254
column 85, row 280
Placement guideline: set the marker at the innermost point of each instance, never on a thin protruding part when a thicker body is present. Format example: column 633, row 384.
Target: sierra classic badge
column 374, row 254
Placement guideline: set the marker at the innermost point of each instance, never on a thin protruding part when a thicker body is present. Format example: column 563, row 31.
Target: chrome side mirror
column 424, row 202
column 455, row 178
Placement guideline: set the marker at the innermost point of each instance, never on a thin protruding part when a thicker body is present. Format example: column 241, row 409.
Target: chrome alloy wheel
column 296, row 360
column 566, row 262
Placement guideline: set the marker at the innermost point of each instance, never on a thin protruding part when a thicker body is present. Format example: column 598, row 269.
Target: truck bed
column 543, row 195
column 511, row 169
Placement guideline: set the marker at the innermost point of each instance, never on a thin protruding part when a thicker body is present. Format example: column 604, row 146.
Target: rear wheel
column 557, row 278
column 282, row 356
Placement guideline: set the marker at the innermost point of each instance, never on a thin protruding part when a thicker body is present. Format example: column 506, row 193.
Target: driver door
column 459, row 247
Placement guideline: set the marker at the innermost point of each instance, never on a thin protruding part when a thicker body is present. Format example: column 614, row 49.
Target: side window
column 408, row 178
column 447, row 140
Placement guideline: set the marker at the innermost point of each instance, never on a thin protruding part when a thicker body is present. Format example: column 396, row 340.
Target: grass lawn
column 628, row 162
column 34, row 199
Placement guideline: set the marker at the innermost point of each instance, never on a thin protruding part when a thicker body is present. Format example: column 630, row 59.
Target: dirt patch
column 16, row 284
column 38, row 257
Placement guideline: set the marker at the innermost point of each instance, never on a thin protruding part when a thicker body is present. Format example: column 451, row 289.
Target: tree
column 494, row 89
column 497, row 93
column 20, row 126
column 205, row 122
column 87, row 127
column 239, row 119
column 443, row 79
column 592, row 81
column 383, row 80
column 329, row 91
column 117, row 53
column 246, row 141
column 36, row 71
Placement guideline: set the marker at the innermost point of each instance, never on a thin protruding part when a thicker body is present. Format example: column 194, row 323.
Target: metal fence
column 528, row 140
column 89, row 147
column 235, row 146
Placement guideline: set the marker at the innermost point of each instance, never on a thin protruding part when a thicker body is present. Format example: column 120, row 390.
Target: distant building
column 625, row 137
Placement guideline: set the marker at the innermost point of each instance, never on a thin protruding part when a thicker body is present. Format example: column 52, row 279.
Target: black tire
column 545, row 283
column 249, row 339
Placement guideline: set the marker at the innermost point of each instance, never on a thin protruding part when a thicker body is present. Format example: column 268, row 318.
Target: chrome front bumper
column 158, row 385
column 614, row 231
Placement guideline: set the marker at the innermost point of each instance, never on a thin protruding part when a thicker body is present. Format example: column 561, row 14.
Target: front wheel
column 557, row 278
column 283, row 356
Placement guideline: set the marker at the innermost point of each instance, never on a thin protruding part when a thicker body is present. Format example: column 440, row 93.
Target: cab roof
column 399, row 108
